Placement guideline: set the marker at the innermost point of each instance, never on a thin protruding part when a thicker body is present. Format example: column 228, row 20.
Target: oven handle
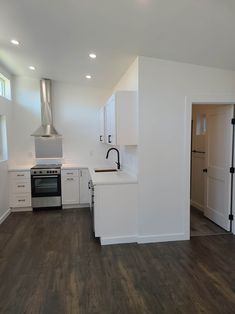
column 40, row 177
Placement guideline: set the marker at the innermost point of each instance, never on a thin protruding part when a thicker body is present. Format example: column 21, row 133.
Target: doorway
column 211, row 192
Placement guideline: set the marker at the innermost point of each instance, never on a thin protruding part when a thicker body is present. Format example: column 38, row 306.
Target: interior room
column 117, row 156
column 209, row 154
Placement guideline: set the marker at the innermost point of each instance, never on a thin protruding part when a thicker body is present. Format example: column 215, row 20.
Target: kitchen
column 55, row 184
column 108, row 241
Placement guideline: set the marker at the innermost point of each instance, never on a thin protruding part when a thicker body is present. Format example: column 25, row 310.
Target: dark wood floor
column 201, row 226
column 50, row 263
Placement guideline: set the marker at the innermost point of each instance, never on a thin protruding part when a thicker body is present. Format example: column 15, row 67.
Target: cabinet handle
column 69, row 179
column 109, row 139
column 20, row 186
column 204, row 170
column 20, row 175
column 101, row 138
column 89, row 185
column 21, row 200
column 69, row 173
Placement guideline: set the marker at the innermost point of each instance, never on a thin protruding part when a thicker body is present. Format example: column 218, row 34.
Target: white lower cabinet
column 20, row 191
column 84, row 189
column 115, row 213
column 70, row 188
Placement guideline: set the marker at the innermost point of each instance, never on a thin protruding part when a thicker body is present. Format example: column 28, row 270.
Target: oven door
column 44, row 186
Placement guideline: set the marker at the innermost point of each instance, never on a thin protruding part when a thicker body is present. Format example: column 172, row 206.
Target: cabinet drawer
column 15, row 175
column 70, row 173
column 20, row 186
column 23, row 200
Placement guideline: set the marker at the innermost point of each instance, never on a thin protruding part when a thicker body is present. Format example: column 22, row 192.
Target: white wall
column 5, row 109
column 75, row 111
column 129, row 154
column 163, row 188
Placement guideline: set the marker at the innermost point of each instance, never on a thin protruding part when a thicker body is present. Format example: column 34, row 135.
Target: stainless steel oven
column 46, row 187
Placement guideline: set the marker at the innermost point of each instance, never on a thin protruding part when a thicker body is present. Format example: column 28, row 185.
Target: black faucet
column 118, row 156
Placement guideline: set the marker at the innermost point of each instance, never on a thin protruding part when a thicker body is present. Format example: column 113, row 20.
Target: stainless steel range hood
column 46, row 129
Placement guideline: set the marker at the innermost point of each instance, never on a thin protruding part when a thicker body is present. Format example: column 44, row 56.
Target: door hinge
column 232, row 170
column 230, row 217
column 233, row 121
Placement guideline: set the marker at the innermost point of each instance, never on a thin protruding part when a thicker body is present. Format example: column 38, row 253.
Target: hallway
column 202, row 226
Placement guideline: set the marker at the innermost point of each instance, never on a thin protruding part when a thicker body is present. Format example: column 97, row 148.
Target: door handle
column 204, row 170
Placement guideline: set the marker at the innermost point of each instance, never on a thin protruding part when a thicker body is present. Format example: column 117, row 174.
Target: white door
column 218, row 163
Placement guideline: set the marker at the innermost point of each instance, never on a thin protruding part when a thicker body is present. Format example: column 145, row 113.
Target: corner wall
column 163, row 188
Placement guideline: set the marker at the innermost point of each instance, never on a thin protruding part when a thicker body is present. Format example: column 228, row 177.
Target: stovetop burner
column 47, row 166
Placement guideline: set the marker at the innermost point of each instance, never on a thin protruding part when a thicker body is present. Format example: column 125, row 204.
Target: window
column 5, row 87
column 201, row 124
column 2, row 87
column 3, row 138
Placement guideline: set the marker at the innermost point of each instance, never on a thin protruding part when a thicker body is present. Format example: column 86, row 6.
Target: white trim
column 189, row 101
column 5, row 215
column 162, row 238
column 21, row 209
column 197, row 205
column 118, row 240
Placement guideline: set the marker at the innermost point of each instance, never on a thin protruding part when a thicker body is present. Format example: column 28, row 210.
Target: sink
column 105, row 170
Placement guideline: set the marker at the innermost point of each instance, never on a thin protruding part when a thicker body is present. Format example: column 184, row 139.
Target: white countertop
column 20, row 168
column 74, row 166
column 98, row 178
column 119, row 177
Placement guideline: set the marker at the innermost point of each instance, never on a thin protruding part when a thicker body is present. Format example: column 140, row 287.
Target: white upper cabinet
column 102, row 123
column 110, row 122
column 121, row 119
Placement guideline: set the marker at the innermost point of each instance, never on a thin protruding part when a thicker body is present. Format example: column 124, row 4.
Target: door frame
column 189, row 102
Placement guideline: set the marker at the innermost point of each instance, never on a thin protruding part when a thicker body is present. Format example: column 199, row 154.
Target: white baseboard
column 21, row 209
column 118, row 240
column 75, row 206
column 197, row 205
column 5, row 215
column 144, row 239
column 162, row 238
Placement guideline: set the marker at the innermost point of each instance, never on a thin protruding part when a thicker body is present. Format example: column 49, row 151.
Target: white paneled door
column 218, row 162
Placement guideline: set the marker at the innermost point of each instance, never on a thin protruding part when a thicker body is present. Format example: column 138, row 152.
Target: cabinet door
column 84, row 189
column 110, row 121
column 102, row 125
column 70, row 190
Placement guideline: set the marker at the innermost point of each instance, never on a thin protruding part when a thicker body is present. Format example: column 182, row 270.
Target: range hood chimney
column 46, row 129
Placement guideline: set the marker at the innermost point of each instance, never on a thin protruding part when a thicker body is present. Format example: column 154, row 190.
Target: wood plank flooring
column 50, row 263
column 201, row 226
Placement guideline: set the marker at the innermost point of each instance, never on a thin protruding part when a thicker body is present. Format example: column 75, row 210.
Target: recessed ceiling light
column 92, row 55
column 31, row 67
column 15, row 42
column 88, row 76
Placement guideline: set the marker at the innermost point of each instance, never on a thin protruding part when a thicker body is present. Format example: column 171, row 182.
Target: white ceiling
column 57, row 35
